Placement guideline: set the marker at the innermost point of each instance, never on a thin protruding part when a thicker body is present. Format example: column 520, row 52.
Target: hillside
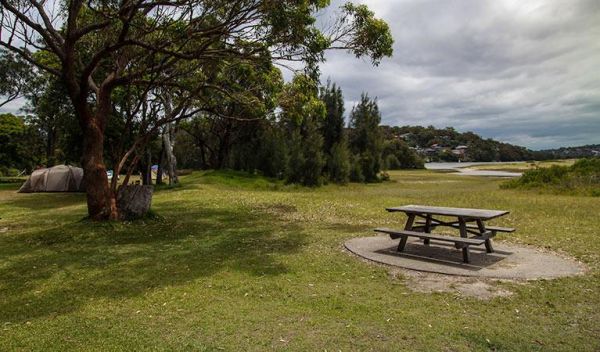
column 448, row 144
column 583, row 151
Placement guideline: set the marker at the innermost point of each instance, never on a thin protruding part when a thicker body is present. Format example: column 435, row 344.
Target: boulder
column 133, row 201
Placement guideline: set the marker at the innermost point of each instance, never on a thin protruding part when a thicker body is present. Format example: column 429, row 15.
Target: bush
column 391, row 162
column 583, row 177
column 8, row 171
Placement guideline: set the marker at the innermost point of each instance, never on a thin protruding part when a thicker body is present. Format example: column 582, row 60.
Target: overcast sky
column 521, row 71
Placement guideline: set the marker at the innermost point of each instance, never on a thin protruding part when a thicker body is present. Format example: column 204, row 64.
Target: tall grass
column 581, row 178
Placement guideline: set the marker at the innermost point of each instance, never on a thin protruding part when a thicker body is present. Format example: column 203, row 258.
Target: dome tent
column 60, row 178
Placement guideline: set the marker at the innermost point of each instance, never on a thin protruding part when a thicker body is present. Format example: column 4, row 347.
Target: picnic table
column 423, row 219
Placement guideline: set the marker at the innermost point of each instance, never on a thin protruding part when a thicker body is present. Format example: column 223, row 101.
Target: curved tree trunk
column 101, row 202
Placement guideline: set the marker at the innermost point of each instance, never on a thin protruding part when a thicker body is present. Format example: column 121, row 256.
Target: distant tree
column 398, row 155
column 333, row 124
column 366, row 139
column 483, row 150
column 49, row 109
column 20, row 144
column 335, row 141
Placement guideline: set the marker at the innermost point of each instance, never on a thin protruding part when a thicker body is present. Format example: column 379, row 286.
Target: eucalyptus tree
column 96, row 47
column 15, row 74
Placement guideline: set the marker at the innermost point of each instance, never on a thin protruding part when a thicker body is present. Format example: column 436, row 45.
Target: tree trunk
column 168, row 141
column 101, row 202
column 146, row 168
column 159, row 172
column 170, row 160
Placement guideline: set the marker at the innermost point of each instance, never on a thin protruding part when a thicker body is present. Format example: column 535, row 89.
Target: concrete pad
column 507, row 261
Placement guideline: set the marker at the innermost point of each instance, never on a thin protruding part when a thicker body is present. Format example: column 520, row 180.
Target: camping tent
column 60, row 178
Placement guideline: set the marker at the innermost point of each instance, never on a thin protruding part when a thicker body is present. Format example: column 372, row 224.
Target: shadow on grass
column 40, row 201
column 58, row 270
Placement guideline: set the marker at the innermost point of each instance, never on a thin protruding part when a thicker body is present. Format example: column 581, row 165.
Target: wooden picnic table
column 467, row 221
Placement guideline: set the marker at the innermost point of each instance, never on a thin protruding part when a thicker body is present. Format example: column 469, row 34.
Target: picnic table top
column 482, row 214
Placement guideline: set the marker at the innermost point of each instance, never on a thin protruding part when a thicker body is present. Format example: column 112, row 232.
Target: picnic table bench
column 468, row 221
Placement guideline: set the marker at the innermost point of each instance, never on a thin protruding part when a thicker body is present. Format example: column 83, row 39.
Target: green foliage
column 302, row 113
column 333, row 124
column 366, row 139
column 583, row 177
column 478, row 149
column 15, row 75
column 8, row 171
column 391, row 162
column 305, row 161
column 51, row 113
column 397, row 155
column 335, row 144
column 20, row 144
column 273, row 153
column 339, row 163
column 372, row 37
column 356, row 169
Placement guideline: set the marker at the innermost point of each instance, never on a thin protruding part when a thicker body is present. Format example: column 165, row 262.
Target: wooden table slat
column 483, row 214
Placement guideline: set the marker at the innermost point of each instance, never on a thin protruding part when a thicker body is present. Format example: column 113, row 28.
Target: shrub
column 391, row 162
column 583, row 177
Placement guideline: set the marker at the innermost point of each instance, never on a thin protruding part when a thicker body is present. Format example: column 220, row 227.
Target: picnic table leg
column 407, row 227
column 427, row 228
column 488, row 242
column 463, row 233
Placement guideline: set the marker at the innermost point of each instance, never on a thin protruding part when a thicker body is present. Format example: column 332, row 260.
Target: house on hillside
column 460, row 151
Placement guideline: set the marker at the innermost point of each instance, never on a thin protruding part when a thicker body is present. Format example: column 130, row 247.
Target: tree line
column 301, row 137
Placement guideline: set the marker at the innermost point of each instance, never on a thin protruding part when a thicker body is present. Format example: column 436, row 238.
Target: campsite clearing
column 236, row 262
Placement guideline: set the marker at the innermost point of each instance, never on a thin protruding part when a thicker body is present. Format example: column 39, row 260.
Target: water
column 463, row 169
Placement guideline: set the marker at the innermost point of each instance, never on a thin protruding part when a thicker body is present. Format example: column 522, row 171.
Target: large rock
column 134, row 201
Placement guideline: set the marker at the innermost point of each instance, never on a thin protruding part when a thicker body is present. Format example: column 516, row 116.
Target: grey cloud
column 519, row 71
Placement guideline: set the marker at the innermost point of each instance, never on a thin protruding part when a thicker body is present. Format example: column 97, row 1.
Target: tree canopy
column 157, row 62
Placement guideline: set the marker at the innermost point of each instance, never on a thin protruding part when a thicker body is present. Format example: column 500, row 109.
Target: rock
column 133, row 201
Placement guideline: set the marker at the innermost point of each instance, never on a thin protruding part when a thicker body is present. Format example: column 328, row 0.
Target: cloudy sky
column 520, row 71
column 524, row 72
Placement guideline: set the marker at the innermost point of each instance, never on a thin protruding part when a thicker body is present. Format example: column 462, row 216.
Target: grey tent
column 60, row 178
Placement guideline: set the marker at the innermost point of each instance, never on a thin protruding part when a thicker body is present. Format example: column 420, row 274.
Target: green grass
column 523, row 165
column 239, row 262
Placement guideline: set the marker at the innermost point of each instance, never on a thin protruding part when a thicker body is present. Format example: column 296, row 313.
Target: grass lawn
column 523, row 166
column 243, row 263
